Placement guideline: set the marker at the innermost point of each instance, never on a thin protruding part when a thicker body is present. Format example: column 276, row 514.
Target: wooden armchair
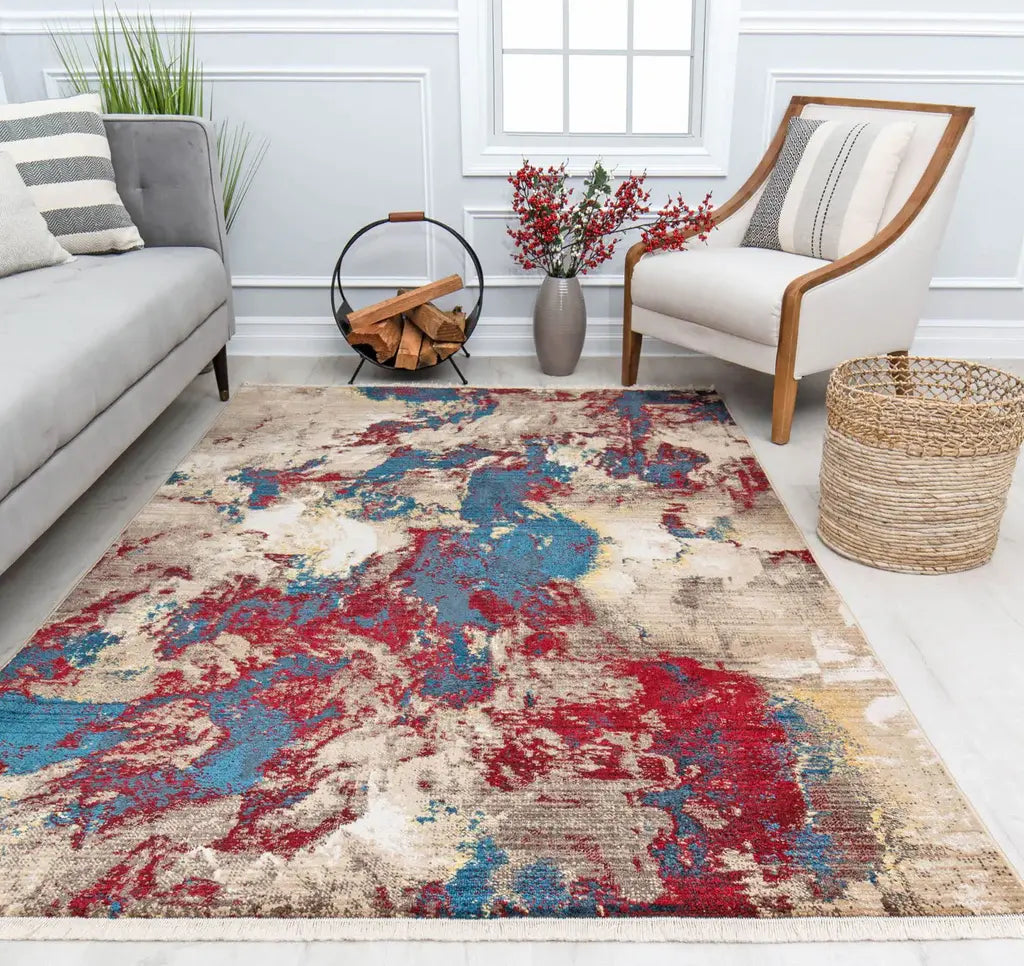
column 789, row 314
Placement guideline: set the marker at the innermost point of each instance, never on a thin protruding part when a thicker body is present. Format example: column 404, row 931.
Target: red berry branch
column 567, row 238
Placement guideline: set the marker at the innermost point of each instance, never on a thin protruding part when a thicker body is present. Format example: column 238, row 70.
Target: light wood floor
column 953, row 644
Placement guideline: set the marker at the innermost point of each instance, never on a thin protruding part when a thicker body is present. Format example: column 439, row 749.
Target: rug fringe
column 818, row 929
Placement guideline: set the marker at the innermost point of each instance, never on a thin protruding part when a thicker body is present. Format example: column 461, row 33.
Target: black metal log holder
column 341, row 307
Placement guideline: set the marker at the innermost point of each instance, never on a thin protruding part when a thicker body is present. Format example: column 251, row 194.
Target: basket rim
column 1015, row 399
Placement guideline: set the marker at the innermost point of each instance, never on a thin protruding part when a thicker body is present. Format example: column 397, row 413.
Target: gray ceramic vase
column 559, row 325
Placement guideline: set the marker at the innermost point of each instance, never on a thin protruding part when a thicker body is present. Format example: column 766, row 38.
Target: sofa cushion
column 733, row 290
column 76, row 336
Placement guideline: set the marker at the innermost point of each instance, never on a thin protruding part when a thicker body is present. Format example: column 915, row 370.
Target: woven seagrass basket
column 919, row 455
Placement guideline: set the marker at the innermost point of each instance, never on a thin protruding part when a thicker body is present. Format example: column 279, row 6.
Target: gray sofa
column 91, row 352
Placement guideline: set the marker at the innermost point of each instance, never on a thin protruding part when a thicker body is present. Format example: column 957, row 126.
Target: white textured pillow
column 25, row 241
column 60, row 147
column 826, row 194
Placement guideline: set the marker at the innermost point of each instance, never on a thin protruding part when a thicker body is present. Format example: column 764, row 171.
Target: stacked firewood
column 408, row 331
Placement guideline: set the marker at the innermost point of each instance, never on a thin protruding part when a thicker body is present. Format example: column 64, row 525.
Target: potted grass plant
column 141, row 67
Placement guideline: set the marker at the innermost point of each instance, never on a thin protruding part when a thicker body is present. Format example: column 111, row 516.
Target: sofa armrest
column 169, row 179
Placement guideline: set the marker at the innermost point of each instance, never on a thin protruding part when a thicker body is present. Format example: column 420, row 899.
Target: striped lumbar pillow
column 61, row 150
column 826, row 193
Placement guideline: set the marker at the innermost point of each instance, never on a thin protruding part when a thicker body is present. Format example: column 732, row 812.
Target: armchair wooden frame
column 784, row 396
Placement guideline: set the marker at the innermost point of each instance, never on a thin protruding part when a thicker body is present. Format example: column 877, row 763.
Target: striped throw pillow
column 63, row 156
column 825, row 196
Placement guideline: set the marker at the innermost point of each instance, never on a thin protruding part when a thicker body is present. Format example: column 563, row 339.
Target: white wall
column 362, row 107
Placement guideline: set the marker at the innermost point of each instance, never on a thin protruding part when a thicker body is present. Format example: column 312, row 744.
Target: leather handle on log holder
column 406, row 216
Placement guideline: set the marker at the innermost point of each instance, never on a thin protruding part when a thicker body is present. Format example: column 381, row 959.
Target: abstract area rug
column 473, row 663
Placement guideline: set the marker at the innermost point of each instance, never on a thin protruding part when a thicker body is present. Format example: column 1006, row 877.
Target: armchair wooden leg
column 783, row 404
column 631, row 342
column 220, row 370
column 899, row 367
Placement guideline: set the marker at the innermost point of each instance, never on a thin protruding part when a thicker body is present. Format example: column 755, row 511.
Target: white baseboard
column 995, row 339
column 276, row 336
column 316, row 336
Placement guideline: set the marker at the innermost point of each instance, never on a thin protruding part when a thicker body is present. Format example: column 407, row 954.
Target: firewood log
column 381, row 337
column 428, row 354
column 409, row 348
column 404, row 302
column 446, row 349
column 440, row 326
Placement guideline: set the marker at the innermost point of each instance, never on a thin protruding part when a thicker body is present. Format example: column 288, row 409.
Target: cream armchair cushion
column 733, row 290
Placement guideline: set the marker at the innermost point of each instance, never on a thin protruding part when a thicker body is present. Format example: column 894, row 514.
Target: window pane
column 598, row 24
column 597, row 94
column 662, row 25
column 661, row 95
column 531, row 24
column 531, row 88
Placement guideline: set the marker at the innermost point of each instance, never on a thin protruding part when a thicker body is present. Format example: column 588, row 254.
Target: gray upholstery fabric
column 77, row 336
column 93, row 351
column 165, row 170
column 168, row 178
column 33, row 505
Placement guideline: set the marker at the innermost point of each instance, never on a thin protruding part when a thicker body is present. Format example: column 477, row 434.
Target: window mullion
column 498, row 68
column 698, row 17
column 565, row 67
column 629, row 66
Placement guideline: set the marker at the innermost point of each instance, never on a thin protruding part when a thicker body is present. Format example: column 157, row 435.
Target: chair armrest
column 871, row 309
column 169, row 179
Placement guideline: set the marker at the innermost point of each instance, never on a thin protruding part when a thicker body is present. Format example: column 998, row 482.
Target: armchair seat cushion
column 734, row 290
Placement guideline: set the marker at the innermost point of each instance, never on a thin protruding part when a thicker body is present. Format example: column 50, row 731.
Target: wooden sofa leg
column 220, row 370
column 631, row 343
column 783, row 404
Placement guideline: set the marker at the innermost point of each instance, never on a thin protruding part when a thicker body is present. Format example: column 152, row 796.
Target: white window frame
column 486, row 153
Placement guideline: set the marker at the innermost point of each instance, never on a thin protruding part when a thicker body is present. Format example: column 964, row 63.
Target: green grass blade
column 240, row 157
column 145, row 68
